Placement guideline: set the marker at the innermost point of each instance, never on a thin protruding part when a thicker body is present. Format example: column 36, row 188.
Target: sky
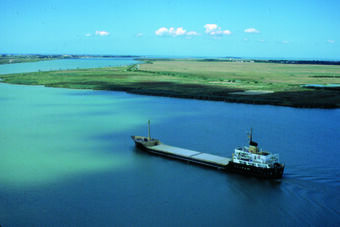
column 291, row 29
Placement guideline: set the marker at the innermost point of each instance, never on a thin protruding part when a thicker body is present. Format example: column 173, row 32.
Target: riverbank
column 241, row 82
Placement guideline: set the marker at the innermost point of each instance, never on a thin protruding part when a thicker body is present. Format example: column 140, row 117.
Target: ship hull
column 140, row 146
column 268, row 173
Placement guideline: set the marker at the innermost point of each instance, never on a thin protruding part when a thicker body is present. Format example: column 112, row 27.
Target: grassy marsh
column 203, row 80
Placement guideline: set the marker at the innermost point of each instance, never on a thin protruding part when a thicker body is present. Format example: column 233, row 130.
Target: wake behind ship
column 249, row 160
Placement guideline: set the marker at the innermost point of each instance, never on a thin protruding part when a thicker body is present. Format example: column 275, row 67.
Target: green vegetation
column 247, row 82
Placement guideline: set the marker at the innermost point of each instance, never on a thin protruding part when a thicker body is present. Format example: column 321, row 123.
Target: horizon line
column 180, row 56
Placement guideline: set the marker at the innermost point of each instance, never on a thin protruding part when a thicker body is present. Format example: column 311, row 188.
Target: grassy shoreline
column 241, row 82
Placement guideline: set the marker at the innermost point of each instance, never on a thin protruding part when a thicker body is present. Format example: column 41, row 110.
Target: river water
column 61, row 64
column 67, row 159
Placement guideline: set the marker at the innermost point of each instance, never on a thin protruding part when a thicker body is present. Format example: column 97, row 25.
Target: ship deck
column 190, row 155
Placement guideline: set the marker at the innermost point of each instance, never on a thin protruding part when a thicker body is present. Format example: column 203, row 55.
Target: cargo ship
column 249, row 160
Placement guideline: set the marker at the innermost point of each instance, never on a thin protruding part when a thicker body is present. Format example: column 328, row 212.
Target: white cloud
column 180, row 31
column 331, row 41
column 192, row 33
column 226, row 32
column 219, row 32
column 161, row 31
column 284, row 42
column 214, row 29
column 102, row 33
column 88, row 34
column 139, row 34
column 210, row 28
column 251, row 30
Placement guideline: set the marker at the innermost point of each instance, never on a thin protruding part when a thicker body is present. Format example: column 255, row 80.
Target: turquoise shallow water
column 46, row 139
column 64, row 64
column 67, row 159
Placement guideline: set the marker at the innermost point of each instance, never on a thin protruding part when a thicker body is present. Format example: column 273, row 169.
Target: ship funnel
column 149, row 137
column 252, row 145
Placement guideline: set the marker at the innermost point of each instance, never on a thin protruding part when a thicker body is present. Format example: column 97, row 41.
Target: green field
column 268, row 83
column 247, row 75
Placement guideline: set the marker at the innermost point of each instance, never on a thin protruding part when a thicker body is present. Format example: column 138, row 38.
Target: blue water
column 67, row 159
column 63, row 64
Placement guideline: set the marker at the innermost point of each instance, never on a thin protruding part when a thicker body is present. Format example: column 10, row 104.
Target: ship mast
column 250, row 135
column 149, row 137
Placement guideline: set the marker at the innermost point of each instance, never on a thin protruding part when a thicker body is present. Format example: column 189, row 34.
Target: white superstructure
column 250, row 157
